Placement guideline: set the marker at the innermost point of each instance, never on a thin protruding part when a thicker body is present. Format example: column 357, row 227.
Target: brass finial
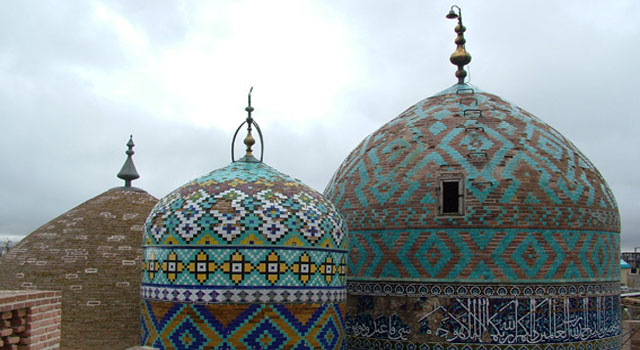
column 249, row 140
column 460, row 57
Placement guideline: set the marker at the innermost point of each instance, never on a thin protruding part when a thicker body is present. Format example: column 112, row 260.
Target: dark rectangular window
column 451, row 197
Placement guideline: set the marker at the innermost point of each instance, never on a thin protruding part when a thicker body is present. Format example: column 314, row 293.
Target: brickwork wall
column 30, row 320
column 92, row 255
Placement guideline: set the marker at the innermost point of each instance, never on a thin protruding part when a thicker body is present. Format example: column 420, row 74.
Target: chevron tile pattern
column 242, row 326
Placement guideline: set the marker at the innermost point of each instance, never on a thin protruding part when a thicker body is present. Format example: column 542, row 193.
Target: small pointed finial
column 460, row 57
column 128, row 171
column 249, row 141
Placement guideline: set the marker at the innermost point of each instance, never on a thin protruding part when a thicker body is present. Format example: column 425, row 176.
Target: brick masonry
column 30, row 320
column 86, row 254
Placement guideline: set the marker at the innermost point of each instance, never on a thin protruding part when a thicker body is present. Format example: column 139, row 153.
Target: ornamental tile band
column 436, row 289
column 234, row 212
column 245, row 266
column 484, row 254
column 239, row 295
column 244, row 326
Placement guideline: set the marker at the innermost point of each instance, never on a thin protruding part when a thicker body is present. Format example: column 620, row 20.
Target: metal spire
column 128, row 171
column 460, row 57
column 249, row 140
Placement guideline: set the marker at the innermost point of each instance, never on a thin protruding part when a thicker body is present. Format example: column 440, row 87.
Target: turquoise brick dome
column 465, row 198
column 244, row 257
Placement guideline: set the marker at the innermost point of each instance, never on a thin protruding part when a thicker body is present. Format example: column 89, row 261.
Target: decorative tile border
column 481, row 320
column 485, row 254
column 221, row 266
column 355, row 343
column 207, row 295
column 244, row 326
column 435, row 289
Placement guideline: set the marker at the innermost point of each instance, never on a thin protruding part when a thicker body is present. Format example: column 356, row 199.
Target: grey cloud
column 61, row 144
column 37, row 35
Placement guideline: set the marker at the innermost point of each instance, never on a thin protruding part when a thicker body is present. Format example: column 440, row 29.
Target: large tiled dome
column 472, row 223
column 531, row 206
column 466, row 199
column 244, row 257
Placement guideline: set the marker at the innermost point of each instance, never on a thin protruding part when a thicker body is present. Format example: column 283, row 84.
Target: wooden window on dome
column 451, row 196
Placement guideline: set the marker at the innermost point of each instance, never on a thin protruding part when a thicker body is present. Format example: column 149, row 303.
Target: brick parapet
column 30, row 320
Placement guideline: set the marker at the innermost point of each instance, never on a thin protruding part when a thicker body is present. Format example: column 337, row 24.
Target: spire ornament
column 460, row 57
column 249, row 140
column 128, row 172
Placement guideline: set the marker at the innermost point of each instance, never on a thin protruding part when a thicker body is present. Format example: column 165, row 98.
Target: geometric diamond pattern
column 265, row 336
column 187, row 336
column 434, row 255
column 248, row 326
column 454, row 254
column 530, row 256
column 600, row 255
column 329, row 335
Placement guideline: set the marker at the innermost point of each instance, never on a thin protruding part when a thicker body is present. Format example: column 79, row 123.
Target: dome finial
column 249, row 140
column 128, row 171
column 460, row 57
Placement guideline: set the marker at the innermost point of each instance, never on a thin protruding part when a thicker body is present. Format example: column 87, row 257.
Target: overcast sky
column 77, row 77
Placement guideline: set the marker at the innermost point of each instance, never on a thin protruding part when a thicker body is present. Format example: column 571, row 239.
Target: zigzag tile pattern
column 242, row 326
column 482, row 255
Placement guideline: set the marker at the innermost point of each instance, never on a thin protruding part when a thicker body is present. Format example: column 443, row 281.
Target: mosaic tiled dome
column 92, row 254
column 471, row 221
column 244, row 257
